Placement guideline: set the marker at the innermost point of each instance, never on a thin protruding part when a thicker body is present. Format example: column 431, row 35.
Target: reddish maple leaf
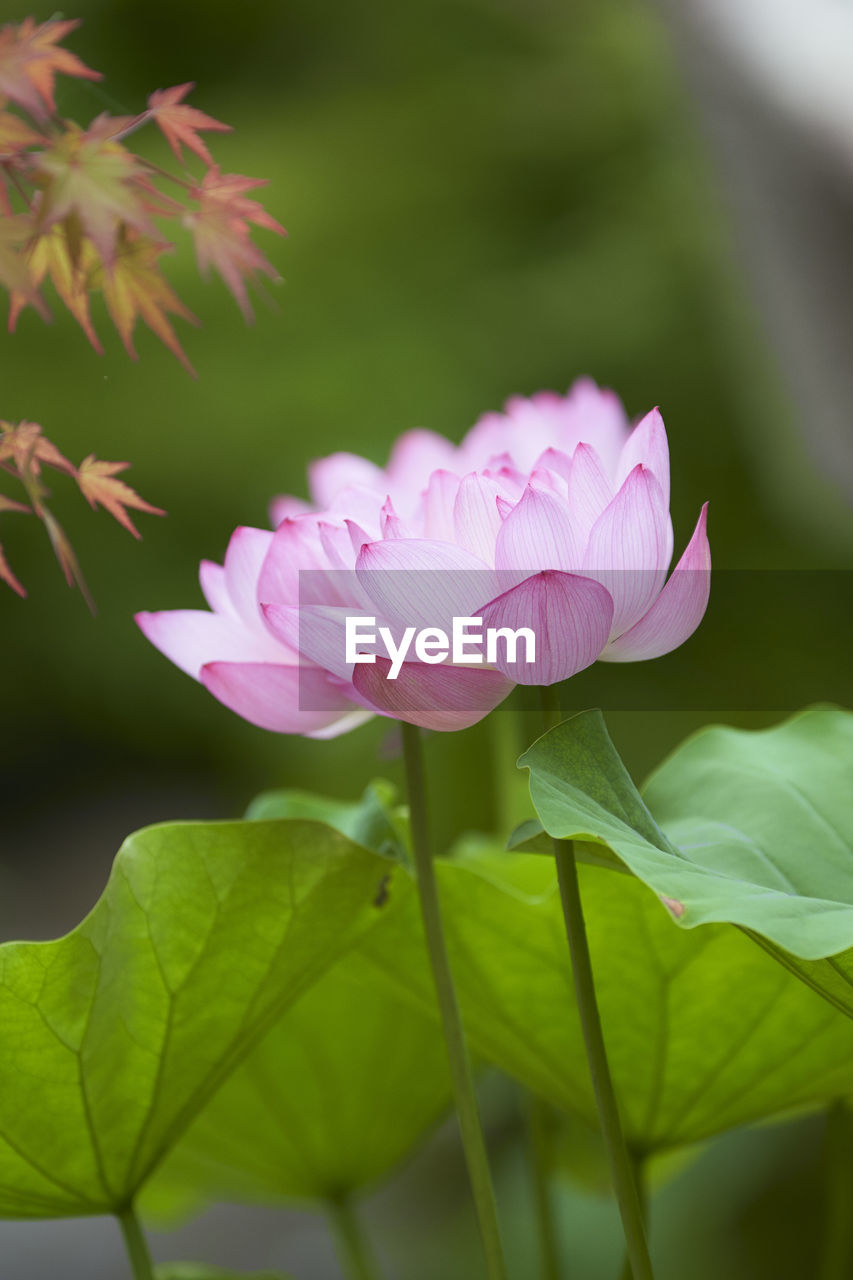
column 24, row 450
column 226, row 192
column 15, row 230
column 92, row 178
column 68, row 561
column 98, row 484
column 16, row 135
column 105, row 126
column 27, row 448
column 89, row 201
column 180, row 123
column 50, row 256
column 223, row 236
column 10, row 504
column 7, row 576
column 30, row 61
column 133, row 287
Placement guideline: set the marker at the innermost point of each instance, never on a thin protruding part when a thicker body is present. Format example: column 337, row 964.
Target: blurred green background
column 484, row 198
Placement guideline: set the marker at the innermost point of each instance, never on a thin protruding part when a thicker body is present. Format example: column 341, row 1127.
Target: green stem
column 164, row 173
column 549, row 701
column 512, row 797
column 353, row 1246
column 136, row 1245
column 461, row 1074
column 638, row 1164
column 837, row 1261
column 538, row 1143
column 621, row 1172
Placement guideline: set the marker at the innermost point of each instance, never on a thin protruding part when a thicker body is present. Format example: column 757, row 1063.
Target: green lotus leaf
column 336, row 1094
column 373, row 821
column 704, row 1030
column 115, row 1036
column 753, row 828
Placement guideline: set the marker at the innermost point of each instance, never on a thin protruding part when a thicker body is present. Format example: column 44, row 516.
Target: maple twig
column 164, row 173
column 16, row 182
column 138, row 122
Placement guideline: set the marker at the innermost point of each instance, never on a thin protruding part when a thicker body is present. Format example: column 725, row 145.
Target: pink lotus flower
column 553, row 515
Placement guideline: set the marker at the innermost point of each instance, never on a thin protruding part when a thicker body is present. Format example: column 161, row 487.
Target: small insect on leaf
column 382, row 893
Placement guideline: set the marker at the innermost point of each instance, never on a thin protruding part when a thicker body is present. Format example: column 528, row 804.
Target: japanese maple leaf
column 7, row 576
column 222, row 233
column 134, row 287
column 50, row 256
column 226, row 192
column 10, row 504
column 28, row 449
column 98, row 483
column 64, row 552
column 16, row 135
column 180, row 123
column 91, row 176
column 15, row 230
column 30, row 61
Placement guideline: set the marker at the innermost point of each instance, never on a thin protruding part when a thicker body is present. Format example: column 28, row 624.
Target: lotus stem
column 618, row 1156
column 538, row 1143
column 353, row 1245
column 462, row 1077
column 838, row 1159
column 638, row 1164
column 137, row 1247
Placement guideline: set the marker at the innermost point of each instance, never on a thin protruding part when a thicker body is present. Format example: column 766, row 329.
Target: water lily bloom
column 551, row 519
